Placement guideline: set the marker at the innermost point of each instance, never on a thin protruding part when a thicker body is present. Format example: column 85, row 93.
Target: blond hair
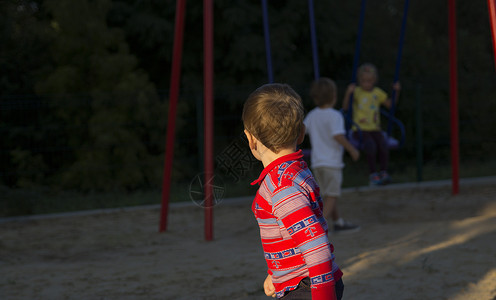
column 323, row 92
column 368, row 68
column 273, row 114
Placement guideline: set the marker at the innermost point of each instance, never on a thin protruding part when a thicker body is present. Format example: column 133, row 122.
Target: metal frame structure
column 209, row 103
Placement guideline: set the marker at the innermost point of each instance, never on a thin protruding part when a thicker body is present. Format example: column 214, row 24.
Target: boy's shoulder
column 378, row 90
column 288, row 181
column 328, row 111
column 290, row 173
column 374, row 90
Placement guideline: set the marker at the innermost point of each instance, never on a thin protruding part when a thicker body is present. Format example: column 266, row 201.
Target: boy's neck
column 268, row 156
column 368, row 89
column 326, row 106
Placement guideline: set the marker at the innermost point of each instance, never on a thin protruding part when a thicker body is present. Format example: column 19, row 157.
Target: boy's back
column 322, row 125
column 287, row 206
column 288, row 209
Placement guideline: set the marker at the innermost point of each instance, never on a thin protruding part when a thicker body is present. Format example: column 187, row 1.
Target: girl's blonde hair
column 274, row 114
column 368, row 68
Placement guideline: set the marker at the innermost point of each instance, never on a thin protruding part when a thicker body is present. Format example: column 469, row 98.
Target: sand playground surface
column 416, row 242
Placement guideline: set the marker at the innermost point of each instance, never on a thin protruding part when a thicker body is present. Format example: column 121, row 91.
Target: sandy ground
column 416, row 243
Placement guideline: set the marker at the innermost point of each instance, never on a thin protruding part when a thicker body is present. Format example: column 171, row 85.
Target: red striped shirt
column 288, row 209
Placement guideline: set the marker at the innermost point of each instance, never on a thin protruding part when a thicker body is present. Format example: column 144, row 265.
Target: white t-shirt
column 322, row 125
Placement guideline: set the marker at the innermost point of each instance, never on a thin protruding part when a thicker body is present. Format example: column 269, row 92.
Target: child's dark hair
column 274, row 114
column 323, row 92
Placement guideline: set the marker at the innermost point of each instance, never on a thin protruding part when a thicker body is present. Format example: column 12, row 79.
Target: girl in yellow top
column 367, row 99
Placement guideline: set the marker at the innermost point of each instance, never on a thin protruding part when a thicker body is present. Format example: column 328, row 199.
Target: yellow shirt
column 366, row 108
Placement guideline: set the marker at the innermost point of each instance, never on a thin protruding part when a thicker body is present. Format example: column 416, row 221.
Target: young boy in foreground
column 287, row 206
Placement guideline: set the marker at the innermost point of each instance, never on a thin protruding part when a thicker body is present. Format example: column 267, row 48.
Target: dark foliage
column 83, row 87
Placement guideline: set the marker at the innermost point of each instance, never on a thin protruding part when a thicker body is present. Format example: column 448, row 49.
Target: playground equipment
column 392, row 142
column 492, row 18
column 455, row 144
column 268, row 52
column 208, row 98
column 392, row 120
column 171, row 119
column 208, row 112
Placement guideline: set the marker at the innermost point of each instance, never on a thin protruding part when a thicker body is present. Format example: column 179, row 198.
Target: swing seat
column 392, row 142
column 357, row 143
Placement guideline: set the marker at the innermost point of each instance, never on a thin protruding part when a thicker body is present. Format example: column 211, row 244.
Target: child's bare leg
column 331, row 214
column 330, row 208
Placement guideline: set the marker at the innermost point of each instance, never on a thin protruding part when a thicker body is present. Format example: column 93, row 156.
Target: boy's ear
column 252, row 141
column 301, row 137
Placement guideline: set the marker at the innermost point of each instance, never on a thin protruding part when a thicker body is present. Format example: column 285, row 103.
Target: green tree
column 24, row 36
column 115, row 129
column 98, row 66
column 148, row 26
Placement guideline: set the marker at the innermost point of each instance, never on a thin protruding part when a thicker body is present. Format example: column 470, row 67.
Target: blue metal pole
column 398, row 65
column 268, row 54
column 358, row 46
column 356, row 58
column 313, row 35
column 419, row 132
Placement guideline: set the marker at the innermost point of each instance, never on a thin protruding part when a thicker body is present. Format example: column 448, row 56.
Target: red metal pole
column 492, row 18
column 453, row 96
column 208, row 74
column 171, row 121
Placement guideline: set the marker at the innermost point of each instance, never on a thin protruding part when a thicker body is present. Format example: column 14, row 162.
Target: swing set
column 208, row 92
column 392, row 120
